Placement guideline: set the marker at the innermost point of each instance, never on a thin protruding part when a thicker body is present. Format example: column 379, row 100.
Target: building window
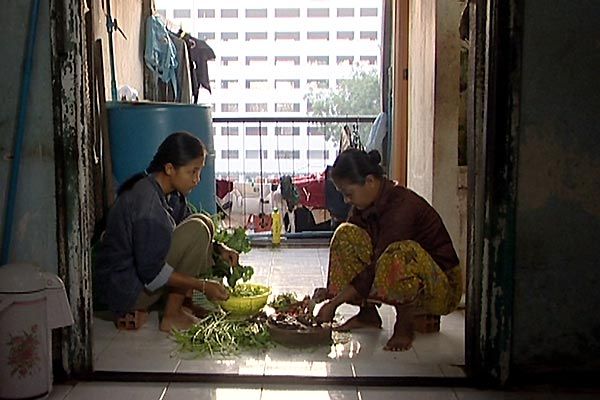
column 317, row 35
column 256, row 13
column 287, row 83
column 206, row 13
column 162, row 12
column 230, row 130
column 317, row 154
column 229, row 13
column 317, row 12
column 255, row 154
column 229, row 107
column 368, row 12
column 256, row 107
column 230, row 154
column 229, row 60
column 253, row 130
column 287, row 131
column 317, row 60
column 315, row 131
column 229, row 84
column 370, row 60
column 226, row 36
column 287, row 36
column 182, row 13
column 287, row 60
column 345, row 12
column 206, row 35
column 288, row 154
column 344, row 60
column 287, row 107
column 345, row 35
column 368, row 35
column 256, row 36
column 341, row 82
column 256, row 84
column 254, row 60
column 309, row 106
column 287, row 12
column 318, row 83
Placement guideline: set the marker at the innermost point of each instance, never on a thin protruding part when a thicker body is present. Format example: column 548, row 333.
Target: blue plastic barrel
column 137, row 129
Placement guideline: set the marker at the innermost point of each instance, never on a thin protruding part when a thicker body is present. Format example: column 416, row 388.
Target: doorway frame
column 493, row 124
column 492, row 129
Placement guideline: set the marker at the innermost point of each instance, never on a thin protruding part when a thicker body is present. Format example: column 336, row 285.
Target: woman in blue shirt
column 153, row 245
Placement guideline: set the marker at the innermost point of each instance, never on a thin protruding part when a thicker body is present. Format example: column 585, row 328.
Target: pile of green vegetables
column 216, row 334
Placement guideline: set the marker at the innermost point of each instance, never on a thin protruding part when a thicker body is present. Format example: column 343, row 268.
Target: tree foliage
column 358, row 96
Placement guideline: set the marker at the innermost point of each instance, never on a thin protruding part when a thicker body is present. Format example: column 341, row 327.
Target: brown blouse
column 401, row 214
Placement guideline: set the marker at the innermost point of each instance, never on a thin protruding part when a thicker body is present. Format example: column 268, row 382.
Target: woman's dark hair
column 178, row 148
column 353, row 166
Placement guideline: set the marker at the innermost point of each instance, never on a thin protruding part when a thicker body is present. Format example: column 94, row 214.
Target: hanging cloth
column 184, row 81
column 200, row 53
column 160, row 54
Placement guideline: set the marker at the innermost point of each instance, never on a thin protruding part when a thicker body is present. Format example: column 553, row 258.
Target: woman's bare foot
column 404, row 330
column 367, row 317
column 180, row 320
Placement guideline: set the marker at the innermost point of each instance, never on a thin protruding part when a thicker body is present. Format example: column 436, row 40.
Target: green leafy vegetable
column 283, row 301
column 217, row 334
column 222, row 269
column 236, row 239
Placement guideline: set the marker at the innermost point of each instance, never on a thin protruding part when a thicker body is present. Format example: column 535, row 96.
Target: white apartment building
column 269, row 54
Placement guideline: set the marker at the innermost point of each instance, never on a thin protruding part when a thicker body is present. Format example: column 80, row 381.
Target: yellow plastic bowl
column 246, row 306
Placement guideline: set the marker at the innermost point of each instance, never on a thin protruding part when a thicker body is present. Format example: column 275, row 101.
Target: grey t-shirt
column 136, row 242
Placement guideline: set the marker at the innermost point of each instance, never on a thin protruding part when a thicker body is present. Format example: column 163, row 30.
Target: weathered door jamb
column 492, row 150
column 71, row 110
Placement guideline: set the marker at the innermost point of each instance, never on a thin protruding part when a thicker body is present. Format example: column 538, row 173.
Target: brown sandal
column 427, row 323
column 132, row 320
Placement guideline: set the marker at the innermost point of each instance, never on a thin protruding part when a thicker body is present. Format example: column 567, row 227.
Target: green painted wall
column 34, row 227
column 557, row 274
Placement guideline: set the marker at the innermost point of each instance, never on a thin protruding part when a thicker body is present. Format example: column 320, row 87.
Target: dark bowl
column 315, row 336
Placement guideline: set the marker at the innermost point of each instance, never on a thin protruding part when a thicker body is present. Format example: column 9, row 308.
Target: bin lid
column 21, row 278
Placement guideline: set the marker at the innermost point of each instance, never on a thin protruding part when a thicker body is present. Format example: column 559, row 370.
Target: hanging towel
column 184, row 82
column 160, row 53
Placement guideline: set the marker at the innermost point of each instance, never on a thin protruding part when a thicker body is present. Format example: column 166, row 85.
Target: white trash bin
column 32, row 303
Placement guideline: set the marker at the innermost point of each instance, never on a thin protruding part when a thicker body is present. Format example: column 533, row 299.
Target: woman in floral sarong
column 394, row 249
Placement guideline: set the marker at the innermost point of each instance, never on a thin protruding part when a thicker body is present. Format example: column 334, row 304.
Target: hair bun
column 374, row 157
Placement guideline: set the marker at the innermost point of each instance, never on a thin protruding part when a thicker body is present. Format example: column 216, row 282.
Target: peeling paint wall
column 34, row 227
column 557, row 274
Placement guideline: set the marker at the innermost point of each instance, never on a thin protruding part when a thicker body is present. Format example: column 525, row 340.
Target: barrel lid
column 21, row 278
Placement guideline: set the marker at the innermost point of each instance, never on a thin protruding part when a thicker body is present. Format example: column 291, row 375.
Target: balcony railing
column 253, row 153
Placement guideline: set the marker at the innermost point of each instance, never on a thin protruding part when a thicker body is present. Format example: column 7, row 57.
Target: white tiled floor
column 199, row 391
column 354, row 354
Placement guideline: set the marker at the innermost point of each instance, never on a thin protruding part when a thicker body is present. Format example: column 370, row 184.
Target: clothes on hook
column 178, row 60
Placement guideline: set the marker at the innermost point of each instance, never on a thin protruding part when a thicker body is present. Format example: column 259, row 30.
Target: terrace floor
column 299, row 270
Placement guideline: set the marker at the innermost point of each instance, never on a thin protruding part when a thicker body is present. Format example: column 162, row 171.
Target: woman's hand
column 231, row 256
column 327, row 312
column 214, row 290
